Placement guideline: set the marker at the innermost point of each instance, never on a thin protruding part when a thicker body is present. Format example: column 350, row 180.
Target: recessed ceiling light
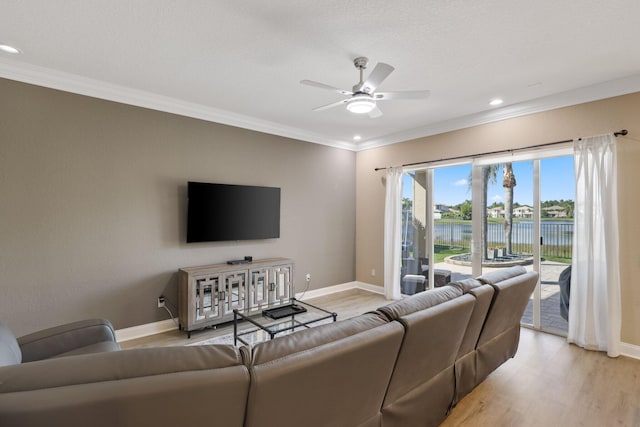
column 357, row 137
column 495, row 102
column 9, row 49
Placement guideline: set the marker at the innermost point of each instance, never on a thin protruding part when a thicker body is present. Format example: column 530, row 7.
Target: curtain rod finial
column 623, row 132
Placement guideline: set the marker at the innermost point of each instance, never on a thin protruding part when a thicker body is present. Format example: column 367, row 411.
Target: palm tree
column 489, row 174
column 508, row 182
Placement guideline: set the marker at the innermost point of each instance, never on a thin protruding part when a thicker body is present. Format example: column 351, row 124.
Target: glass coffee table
column 267, row 322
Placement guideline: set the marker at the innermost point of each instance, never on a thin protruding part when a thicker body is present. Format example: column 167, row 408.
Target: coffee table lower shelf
column 312, row 314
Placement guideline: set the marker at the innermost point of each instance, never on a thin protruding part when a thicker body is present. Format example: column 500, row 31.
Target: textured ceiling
column 240, row 62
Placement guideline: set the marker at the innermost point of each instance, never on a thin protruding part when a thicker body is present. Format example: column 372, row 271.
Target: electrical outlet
column 308, row 277
column 161, row 301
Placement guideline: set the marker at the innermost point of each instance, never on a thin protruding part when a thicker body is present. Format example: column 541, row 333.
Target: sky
column 451, row 185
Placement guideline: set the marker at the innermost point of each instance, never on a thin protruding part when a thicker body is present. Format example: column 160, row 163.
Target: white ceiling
column 240, row 62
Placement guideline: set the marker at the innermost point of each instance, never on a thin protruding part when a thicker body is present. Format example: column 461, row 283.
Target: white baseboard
column 630, row 350
column 148, row 329
column 315, row 293
column 145, row 330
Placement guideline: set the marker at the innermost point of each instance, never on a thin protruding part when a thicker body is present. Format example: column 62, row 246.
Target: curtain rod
column 619, row 133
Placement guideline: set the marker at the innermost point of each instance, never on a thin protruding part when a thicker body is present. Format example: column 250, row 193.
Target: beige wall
column 582, row 120
column 93, row 205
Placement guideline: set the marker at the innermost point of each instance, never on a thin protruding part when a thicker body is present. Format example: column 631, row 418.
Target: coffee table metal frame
column 270, row 328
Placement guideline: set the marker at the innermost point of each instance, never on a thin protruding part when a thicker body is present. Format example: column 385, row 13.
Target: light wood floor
column 548, row 383
column 346, row 304
column 552, row 383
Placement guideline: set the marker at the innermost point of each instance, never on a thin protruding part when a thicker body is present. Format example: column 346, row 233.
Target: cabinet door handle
column 272, row 286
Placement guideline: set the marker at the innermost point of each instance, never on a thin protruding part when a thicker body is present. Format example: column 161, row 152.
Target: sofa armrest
column 65, row 338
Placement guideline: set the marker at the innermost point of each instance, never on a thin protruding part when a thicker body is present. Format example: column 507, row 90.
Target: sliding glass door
column 415, row 231
column 436, row 227
column 464, row 220
column 529, row 222
column 557, row 195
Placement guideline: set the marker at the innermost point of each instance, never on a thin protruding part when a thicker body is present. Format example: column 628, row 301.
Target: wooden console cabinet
column 207, row 295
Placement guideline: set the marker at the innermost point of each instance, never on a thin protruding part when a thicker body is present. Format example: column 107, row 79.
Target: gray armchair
column 82, row 337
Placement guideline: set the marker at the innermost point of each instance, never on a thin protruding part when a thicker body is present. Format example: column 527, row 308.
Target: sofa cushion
column 466, row 285
column 338, row 383
column 465, row 366
column 501, row 332
column 496, row 276
column 99, row 347
column 484, row 296
column 112, row 366
column 425, row 365
column 141, row 387
column 307, row 339
column 509, row 302
column 420, row 301
column 10, row 353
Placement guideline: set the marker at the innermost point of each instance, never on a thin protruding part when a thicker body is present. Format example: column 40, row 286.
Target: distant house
column 439, row 209
column 523, row 211
column 437, row 213
column 556, row 211
column 497, row 212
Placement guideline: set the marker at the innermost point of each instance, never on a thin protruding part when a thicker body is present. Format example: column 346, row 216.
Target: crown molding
column 40, row 76
column 53, row 79
column 595, row 92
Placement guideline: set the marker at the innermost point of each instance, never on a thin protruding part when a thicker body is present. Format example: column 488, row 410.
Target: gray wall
column 93, row 205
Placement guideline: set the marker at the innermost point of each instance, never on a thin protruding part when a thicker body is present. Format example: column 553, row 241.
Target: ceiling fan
column 363, row 98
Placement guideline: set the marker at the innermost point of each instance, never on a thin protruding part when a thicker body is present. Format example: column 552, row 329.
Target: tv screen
column 221, row 212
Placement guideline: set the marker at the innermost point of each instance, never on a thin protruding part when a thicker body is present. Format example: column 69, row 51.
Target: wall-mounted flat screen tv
column 222, row 212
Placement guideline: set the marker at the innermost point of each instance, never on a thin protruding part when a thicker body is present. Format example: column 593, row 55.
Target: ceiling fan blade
column 409, row 94
column 376, row 77
column 333, row 104
column 375, row 112
column 324, row 86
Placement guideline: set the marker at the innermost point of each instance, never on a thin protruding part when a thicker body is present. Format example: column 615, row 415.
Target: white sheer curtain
column 594, row 311
column 393, row 233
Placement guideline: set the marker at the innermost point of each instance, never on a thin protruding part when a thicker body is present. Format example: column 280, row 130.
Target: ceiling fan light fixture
column 361, row 104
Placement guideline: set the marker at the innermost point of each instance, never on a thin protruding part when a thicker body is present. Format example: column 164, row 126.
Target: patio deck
column 550, row 318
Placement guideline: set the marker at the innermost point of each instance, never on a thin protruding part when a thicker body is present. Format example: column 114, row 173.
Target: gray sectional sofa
column 406, row 364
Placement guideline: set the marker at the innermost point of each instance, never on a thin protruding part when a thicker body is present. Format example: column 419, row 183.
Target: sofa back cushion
column 509, row 302
column 483, row 295
column 10, row 353
column 307, row 339
column 149, row 386
column 465, row 365
column 117, row 365
column 423, row 381
column 420, row 301
column 325, row 381
column 501, row 332
column 501, row 275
